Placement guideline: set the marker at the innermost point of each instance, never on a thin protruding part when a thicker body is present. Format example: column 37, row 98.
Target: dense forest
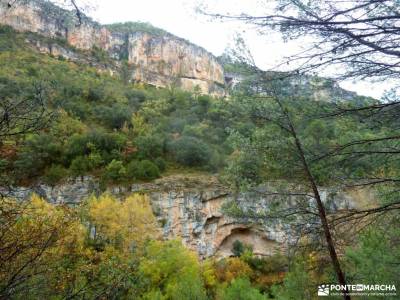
column 63, row 119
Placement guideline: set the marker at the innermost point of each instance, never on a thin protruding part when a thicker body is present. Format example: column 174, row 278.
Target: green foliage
column 114, row 117
column 103, row 118
column 3, row 165
column 79, row 166
column 55, row 174
column 376, row 257
column 172, row 272
column 244, row 167
column 160, row 163
column 297, row 284
column 123, row 132
column 149, row 146
column 238, row 248
column 95, row 94
column 241, row 289
column 147, row 170
column 135, row 97
column 115, row 171
column 190, row 151
column 37, row 152
column 95, row 144
column 144, row 170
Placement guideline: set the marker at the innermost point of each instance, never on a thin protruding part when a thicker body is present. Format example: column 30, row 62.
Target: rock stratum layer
column 190, row 208
column 161, row 60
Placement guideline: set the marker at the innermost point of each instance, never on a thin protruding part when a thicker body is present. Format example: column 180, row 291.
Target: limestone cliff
column 160, row 60
column 189, row 207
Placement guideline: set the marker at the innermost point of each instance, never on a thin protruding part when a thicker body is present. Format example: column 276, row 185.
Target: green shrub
column 79, row 166
column 216, row 161
column 26, row 166
column 190, row 151
column 55, row 174
column 95, row 94
column 245, row 166
column 100, row 55
column 149, row 146
column 114, row 117
column 115, row 171
column 238, row 248
column 38, row 152
column 171, row 271
column 145, row 170
column 71, row 90
column 108, row 144
column 76, row 146
column 95, row 159
column 299, row 282
column 5, row 29
column 241, row 289
column 161, row 164
column 107, row 141
column 131, row 169
column 135, row 98
column 80, row 110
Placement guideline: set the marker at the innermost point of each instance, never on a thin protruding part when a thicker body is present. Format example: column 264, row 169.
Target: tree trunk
column 322, row 214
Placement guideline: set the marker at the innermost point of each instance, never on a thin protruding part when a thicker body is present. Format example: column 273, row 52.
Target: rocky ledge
column 190, row 208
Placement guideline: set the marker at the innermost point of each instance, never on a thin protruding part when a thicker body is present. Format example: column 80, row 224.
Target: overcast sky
column 179, row 17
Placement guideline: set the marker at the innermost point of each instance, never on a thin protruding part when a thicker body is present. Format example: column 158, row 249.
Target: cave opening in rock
column 260, row 244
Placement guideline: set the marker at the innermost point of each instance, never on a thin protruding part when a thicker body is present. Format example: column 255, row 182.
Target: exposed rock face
column 312, row 87
column 190, row 208
column 163, row 59
column 158, row 60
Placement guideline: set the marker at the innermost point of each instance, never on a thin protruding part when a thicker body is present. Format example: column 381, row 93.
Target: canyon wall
column 160, row 60
column 190, row 208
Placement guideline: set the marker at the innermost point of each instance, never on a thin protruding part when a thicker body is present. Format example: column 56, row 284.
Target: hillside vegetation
column 103, row 126
column 121, row 133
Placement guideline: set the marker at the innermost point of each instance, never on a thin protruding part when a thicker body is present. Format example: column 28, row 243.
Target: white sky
column 179, row 17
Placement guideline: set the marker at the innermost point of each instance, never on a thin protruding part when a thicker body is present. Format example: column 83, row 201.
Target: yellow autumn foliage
column 231, row 268
column 35, row 236
column 125, row 223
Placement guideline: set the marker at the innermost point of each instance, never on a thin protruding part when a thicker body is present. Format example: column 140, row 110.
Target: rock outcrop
column 190, row 208
column 160, row 60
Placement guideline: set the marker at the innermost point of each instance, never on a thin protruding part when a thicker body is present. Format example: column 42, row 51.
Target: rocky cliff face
column 190, row 208
column 160, row 60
